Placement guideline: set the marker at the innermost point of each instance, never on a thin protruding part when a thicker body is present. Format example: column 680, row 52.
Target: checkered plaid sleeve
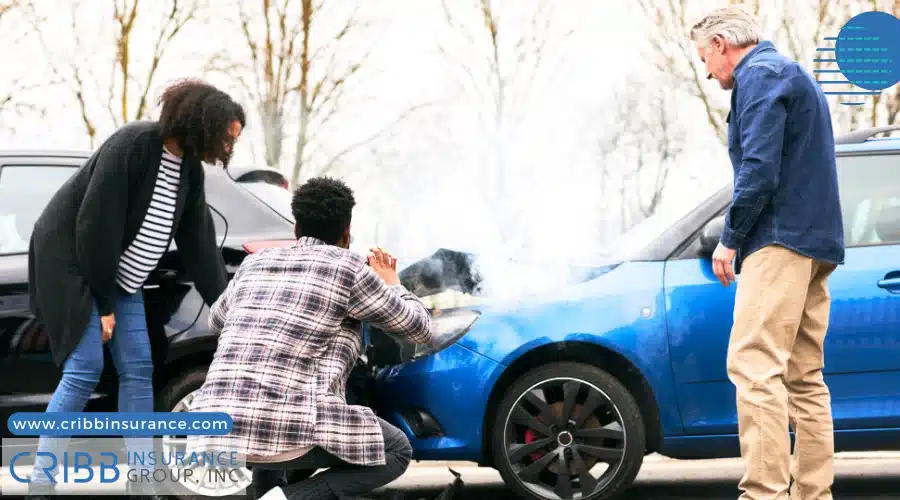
column 390, row 308
column 218, row 312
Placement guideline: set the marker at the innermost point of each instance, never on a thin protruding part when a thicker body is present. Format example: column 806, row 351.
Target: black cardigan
column 78, row 239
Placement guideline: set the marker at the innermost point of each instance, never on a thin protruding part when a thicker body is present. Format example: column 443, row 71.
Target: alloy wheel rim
column 557, row 432
column 202, row 484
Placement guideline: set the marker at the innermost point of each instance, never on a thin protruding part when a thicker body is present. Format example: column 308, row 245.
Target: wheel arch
column 581, row 352
column 182, row 359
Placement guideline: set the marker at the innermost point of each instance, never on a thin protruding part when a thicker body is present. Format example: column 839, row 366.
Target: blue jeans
column 130, row 350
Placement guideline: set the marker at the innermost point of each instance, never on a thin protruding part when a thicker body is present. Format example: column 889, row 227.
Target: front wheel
column 567, row 431
column 178, row 396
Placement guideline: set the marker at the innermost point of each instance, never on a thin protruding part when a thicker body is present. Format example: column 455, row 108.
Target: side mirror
column 709, row 238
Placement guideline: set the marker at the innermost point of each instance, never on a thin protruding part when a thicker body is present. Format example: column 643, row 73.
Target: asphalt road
column 857, row 478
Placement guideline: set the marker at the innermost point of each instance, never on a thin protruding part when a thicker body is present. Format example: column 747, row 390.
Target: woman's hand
column 384, row 266
column 107, row 325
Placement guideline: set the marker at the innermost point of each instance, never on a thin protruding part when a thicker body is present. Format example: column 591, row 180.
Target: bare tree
column 300, row 55
column 17, row 82
column 510, row 51
column 499, row 50
column 275, row 65
column 890, row 104
column 672, row 53
column 636, row 156
column 673, row 56
column 797, row 36
column 6, row 7
column 175, row 15
column 125, row 93
column 831, row 16
column 659, row 141
column 884, row 108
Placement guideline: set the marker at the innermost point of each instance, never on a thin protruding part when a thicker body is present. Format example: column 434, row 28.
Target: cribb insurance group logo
column 77, row 456
column 865, row 57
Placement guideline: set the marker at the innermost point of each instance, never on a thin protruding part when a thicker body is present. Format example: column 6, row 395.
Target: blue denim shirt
column 781, row 145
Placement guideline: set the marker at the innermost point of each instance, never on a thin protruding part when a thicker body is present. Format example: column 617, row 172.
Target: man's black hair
column 323, row 208
column 198, row 116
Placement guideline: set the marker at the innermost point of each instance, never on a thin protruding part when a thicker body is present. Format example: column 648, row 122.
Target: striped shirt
column 152, row 240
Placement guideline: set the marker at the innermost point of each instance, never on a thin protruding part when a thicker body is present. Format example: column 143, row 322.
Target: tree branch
column 375, row 136
column 173, row 22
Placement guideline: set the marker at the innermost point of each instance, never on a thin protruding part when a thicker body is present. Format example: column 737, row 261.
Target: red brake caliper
column 530, row 437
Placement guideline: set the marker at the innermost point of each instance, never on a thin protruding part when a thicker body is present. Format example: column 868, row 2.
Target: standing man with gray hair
column 784, row 232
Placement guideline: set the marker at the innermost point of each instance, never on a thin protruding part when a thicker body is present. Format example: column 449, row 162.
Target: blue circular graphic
column 868, row 50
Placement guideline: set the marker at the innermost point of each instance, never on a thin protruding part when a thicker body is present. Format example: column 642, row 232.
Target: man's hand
column 384, row 266
column 107, row 325
column 722, row 264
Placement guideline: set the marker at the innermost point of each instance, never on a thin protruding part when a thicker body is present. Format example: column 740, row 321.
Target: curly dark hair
column 198, row 116
column 322, row 209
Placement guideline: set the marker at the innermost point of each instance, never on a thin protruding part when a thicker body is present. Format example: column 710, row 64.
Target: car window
column 870, row 199
column 276, row 197
column 24, row 192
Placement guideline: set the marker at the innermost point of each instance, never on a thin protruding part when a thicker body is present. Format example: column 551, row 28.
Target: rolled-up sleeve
column 218, row 311
column 761, row 100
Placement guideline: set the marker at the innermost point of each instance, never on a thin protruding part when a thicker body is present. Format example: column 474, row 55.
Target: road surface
column 863, row 476
column 860, row 476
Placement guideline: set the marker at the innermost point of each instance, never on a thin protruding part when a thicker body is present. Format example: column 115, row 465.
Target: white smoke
column 529, row 212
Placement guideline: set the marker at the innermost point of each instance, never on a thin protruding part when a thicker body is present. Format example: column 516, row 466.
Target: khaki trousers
column 775, row 361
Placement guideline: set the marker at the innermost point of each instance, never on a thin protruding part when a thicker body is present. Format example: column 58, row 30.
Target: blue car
column 566, row 396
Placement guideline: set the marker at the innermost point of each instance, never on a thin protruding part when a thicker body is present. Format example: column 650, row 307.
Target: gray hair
column 734, row 23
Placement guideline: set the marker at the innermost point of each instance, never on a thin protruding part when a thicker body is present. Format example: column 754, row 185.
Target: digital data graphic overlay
column 864, row 59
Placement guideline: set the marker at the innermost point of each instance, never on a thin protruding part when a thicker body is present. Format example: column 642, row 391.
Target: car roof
column 45, row 153
column 238, row 170
column 865, row 141
column 871, row 145
column 245, row 214
column 234, row 170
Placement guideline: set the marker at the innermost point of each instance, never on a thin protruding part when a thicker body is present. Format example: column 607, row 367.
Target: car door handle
column 14, row 303
column 890, row 284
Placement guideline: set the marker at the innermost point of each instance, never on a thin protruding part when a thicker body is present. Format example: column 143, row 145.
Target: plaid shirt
column 289, row 325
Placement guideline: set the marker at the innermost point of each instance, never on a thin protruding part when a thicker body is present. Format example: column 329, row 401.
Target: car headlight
column 446, row 328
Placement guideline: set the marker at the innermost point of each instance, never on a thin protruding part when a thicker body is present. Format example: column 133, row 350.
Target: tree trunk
column 272, row 118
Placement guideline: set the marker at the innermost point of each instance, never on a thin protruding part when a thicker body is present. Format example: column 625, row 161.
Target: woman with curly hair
column 104, row 232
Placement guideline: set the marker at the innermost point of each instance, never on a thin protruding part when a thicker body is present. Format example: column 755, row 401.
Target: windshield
column 641, row 235
column 276, row 197
column 634, row 240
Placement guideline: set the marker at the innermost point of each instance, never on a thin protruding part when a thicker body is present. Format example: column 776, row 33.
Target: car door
column 172, row 302
column 862, row 348
column 28, row 373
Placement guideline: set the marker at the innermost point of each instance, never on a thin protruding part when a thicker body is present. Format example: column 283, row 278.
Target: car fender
column 622, row 312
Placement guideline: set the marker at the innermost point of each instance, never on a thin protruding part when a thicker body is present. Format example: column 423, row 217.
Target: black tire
column 179, row 388
column 166, row 401
column 614, row 429
column 176, row 390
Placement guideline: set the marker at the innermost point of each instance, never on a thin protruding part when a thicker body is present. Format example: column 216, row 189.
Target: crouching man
column 289, row 325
